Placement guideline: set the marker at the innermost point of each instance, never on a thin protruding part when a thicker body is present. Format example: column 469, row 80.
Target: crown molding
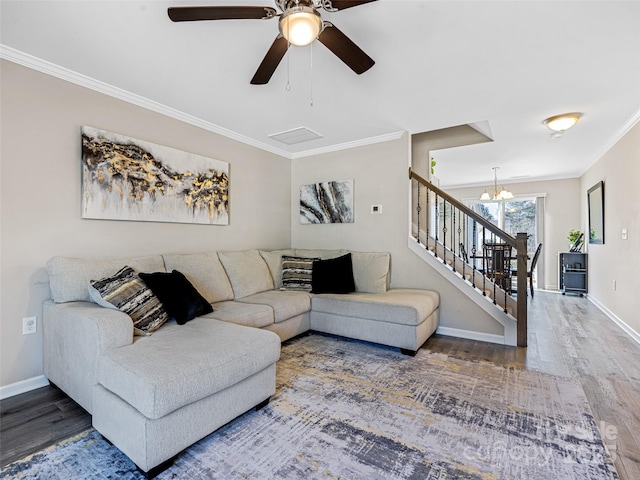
column 35, row 63
column 16, row 56
column 615, row 138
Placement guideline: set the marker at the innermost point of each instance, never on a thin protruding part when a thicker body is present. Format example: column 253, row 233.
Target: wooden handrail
column 519, row 243
column 470, row 213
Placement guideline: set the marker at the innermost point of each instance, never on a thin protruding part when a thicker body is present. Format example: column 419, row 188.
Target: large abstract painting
column 128, row 179
column 327, row 202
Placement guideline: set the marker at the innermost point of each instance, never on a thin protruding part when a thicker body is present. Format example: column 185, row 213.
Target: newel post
column 521, row 258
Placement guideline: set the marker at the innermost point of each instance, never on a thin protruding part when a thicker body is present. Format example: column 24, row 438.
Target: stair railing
column 450, row 231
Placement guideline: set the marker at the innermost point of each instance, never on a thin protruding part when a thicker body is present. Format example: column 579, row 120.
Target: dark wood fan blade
column 342, row 4
column 345, row 49
column 271, row 61
column 191, row 14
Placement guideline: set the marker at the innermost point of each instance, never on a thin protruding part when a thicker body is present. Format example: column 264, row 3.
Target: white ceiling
column 438, row 64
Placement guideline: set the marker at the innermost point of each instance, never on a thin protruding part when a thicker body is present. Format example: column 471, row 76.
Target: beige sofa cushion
column 69, row 277
column 205, row 272
column 403, row 306
column 247, row 314
column 371, row 271
column 318, row 253
column 247, row 271
column 285, row 304
column 274, row 261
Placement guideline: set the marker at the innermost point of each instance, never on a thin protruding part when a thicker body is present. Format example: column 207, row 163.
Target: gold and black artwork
column 128, row 179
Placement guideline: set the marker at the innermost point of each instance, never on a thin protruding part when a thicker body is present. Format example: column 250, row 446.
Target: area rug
column 345, row 409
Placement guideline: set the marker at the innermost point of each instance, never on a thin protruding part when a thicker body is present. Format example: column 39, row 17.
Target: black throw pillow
column 334, row 275
column 179, row 297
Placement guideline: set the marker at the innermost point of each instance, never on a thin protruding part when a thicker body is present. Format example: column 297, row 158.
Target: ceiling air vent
column 296, row 135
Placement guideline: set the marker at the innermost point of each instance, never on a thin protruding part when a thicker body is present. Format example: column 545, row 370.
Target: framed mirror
column 595, row 199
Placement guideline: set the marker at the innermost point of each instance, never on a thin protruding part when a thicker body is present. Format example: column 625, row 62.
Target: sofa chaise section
column 403, row 318
column 160, row 394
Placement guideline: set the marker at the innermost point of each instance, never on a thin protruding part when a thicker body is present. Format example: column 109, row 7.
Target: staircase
column 454, row 240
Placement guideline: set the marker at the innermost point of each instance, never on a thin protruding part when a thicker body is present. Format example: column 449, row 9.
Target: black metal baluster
column 493, row 267
column 453, row 236
column 506, row 286
column 462, row 240
column 427, row 215
column 484, row 262
column 437, row 226
column 444, row 231
column 418, row 208
column 474, row 231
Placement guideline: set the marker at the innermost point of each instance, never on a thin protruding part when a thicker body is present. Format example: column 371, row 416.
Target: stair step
column 448, row 258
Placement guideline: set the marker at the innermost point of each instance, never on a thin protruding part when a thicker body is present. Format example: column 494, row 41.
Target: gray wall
column 617, row 259
column 40, row 197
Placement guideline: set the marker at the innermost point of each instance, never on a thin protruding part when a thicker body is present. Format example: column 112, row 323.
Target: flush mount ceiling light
column 498, row 193
column 561, row 123
column 300, row 25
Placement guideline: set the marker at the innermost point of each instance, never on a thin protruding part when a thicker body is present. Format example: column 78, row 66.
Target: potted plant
column 573, row 236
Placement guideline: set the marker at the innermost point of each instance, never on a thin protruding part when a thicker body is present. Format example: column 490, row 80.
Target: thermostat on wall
column 376, row 209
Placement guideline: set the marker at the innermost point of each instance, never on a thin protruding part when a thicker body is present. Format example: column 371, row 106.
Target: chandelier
column 498, row 193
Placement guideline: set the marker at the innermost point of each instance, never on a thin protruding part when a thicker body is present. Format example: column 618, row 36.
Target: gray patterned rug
column 350, row 410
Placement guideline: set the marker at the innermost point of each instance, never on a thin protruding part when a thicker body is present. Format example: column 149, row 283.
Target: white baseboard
column 617, row 320
column 468, row 334
column 23, row 386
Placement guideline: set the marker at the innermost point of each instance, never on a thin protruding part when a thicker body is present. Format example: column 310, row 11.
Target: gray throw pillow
column 126, row 292
column 296, row 273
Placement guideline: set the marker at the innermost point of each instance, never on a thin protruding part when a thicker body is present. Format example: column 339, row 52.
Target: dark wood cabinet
column 573, row 268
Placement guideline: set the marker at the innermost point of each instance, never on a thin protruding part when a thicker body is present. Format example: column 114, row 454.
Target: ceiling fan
column 300, row 24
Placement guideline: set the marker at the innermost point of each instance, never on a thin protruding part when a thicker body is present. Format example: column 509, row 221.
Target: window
column 512, row 216
column 521, row 214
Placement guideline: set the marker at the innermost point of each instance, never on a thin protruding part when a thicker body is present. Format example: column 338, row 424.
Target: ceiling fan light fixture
column 300, row 25
column 560, row 123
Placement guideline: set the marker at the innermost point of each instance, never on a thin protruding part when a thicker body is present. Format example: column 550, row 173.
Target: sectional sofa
column 153, row 396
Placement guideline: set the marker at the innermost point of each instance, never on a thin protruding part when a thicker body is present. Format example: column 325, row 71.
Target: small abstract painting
column 327, row 202
column 128, row 179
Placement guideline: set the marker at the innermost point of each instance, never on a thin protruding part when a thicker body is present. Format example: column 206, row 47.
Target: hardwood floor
column 37, row 419
column 568, row 336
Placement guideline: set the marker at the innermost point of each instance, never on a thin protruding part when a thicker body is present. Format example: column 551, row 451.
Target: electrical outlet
column 614, row 284
column 376, row 209
column 29, row 325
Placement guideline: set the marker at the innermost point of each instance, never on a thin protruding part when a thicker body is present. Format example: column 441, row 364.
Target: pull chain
column 311, row 65
column 288, row 87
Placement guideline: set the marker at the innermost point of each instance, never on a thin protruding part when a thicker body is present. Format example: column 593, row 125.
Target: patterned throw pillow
column 126, row 292
column 296, row 273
